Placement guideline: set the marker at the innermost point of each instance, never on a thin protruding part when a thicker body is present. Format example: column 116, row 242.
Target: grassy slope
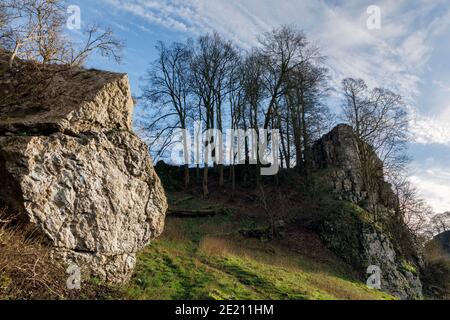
column 206, row 258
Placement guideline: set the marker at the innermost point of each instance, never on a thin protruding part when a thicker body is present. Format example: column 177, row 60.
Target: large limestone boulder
column 75, row 171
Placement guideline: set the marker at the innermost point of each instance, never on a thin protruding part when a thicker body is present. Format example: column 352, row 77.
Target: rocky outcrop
column 341, row 151
column 72, row 168
column 399, row 276
column 358, row 226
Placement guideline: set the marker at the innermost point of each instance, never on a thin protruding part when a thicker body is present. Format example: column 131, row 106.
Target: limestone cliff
column 361, row 226
column 72, row 168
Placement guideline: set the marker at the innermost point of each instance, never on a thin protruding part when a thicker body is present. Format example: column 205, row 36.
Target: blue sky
column 410, row 53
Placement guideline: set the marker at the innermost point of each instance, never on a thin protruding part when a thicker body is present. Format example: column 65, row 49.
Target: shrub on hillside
column 436, row 274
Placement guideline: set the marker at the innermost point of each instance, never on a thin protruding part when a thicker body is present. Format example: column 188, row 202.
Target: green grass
column 166, row 272
column 205, row 258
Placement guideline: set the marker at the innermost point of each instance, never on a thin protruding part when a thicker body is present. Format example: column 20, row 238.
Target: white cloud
column 433, row 183
column 442, row 85
column 162, row 13
column 432, row 130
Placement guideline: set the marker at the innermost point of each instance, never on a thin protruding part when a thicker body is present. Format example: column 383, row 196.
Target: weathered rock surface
column 76, row 172
column 340, row 150
column 398, row 276
column 58, row 99
column 360, row 231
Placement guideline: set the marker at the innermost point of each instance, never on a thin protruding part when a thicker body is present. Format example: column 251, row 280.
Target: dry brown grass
column 27, row 270
column 270, row 254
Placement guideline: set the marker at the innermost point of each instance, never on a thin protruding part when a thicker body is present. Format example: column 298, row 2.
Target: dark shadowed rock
column 339, row 151
column 444, row 240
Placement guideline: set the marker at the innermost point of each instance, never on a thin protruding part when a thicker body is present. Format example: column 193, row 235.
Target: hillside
column 209, row 258
column 87, row 188
column 198, row 258
column 444, row 241
column 436, row 279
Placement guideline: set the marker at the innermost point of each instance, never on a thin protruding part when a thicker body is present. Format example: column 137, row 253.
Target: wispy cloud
column 169, row 14
column 401, row 56
column 395, row 56
column 433, row 183
column 430, row 130
column 442, row 85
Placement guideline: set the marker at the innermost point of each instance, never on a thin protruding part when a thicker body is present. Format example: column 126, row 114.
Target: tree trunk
column 13, row 55
column 307, row 156
column 186, row 157
column 186, row 176
column 205, row 181
column 220, row 168
column 233, row 181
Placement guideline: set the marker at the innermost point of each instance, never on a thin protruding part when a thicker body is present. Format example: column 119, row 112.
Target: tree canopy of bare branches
column 280, row 84
column 411, row 209
column 212, row 65
column 378, row 117
column 34, row 30
column 440, row 223
column 168, row 96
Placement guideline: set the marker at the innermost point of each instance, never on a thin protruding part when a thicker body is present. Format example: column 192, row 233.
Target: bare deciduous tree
column 213, row 61
column 379, row 118
column 289, row 63
column 282, row 50
column 410, row 209
column 102, row 41
column 306, row 113
column 34, row 30
column 168, row 95
column 440, row 223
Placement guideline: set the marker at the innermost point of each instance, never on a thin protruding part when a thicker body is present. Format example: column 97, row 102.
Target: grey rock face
column 339, row 153
column 398, row 277
column 89, row 187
